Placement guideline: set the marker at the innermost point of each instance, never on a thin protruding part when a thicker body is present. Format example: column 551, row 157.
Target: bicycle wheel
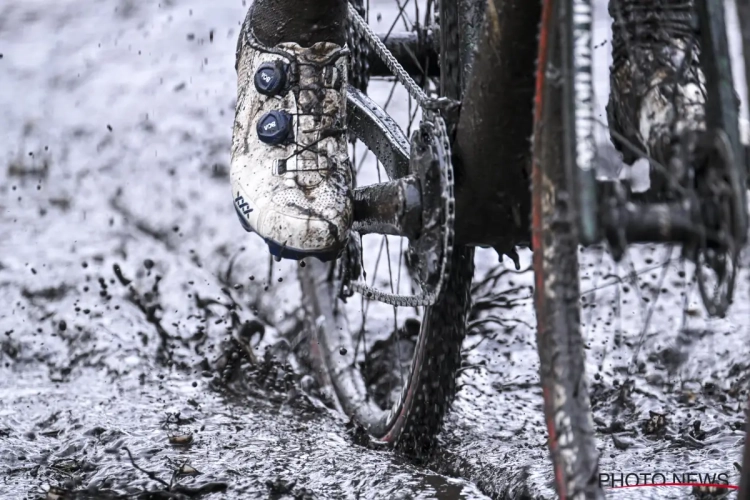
column 692, row 140
column 397, row 376
column 556, row 294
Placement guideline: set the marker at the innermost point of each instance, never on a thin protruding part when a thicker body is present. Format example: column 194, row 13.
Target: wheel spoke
column 645, row 318
column 401, row 15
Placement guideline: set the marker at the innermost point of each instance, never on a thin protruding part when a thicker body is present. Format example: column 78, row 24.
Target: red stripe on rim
column 536, row 222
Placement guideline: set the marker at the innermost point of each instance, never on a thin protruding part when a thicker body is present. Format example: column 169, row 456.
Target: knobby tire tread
column 556, row 297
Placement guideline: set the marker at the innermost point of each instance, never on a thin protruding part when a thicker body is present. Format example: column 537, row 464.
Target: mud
column 123, row 272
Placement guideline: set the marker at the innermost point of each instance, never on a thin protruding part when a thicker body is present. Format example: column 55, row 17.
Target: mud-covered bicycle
column 485, row 80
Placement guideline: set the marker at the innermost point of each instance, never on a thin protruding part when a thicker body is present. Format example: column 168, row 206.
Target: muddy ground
column 123, row 270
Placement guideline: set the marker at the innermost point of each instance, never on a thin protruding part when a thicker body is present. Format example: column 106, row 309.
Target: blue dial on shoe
column 274, row 127
column 270, row 78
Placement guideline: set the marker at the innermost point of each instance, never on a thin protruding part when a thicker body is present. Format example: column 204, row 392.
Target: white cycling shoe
column 290, row 171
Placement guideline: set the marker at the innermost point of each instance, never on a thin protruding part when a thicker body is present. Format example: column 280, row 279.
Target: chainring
column 430, row 163
column 430, row 253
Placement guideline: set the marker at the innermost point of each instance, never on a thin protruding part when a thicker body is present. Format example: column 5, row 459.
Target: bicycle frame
column 491, row 150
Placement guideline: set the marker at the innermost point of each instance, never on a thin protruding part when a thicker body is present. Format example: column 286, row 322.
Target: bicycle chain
column 360, row 26
column 359, row 71
column 430, row 113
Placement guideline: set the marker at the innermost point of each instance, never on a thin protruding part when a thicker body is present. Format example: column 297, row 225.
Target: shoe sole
column 286, row 252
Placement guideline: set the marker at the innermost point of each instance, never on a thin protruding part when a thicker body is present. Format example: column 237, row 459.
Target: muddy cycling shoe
column 657, row 86
column 290, row 171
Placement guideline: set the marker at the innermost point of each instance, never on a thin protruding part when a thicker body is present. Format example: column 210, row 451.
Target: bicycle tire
column 555, row 235
column 560, row 343
column 413, row 422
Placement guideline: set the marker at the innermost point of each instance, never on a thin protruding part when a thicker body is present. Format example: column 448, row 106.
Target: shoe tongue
column 310, row 160
column 316, row 111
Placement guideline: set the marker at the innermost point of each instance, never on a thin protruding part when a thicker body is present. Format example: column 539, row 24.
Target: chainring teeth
column 434, row 174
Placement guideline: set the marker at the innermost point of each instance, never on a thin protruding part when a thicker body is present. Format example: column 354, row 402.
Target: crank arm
column 369, row 123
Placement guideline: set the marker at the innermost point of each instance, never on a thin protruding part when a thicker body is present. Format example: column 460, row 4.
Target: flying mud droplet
column 148, row 264
column 62, row 326
column 118, row 273
column 342, row 351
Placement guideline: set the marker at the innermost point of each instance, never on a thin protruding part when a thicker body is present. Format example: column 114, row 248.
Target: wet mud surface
column 123, row 273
